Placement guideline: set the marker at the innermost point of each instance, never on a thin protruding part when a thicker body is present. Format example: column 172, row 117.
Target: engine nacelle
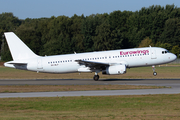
column 114, row 70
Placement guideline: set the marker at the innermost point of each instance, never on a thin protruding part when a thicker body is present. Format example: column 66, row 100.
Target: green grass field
column 133, row 73
column 163, row 107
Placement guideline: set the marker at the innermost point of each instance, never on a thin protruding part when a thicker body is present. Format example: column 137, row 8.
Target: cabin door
column 153, row 54
column 39, row 63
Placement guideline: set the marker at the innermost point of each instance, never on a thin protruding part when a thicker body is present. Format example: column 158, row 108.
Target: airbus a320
column 110, row 62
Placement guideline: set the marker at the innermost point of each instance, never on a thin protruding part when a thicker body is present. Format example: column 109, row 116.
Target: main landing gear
column 154, row 73
column 96, row 76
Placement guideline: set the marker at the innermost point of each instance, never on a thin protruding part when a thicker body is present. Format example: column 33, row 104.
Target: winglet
column 18, row 49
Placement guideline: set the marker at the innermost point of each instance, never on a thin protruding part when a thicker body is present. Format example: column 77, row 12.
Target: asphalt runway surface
column 173, row 83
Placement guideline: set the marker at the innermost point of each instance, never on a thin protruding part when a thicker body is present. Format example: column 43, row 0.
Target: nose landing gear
column 154, row 73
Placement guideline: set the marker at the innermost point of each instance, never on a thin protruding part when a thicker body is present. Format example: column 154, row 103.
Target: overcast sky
column 46, row 8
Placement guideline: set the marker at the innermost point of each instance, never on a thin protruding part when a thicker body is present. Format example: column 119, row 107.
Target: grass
column 53, row 88
column 102, row 107
column 80, row 108
column 133, row 73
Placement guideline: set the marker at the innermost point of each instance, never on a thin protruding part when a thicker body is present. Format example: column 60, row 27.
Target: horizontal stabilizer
column 15, row 63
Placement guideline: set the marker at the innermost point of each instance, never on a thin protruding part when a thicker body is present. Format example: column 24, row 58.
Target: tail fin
column 18, row 49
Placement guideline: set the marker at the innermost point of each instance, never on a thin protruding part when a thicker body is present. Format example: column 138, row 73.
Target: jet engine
column 114, row 70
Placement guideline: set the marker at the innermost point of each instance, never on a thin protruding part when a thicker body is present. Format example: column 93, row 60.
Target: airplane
column 112, row 62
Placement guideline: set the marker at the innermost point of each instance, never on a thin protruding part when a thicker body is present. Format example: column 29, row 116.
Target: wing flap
column 93, row 65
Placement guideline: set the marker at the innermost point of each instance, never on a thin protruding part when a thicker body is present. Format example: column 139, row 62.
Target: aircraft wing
column 93, row 65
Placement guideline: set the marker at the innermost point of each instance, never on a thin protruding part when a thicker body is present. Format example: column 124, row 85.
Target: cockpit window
column 164, row 52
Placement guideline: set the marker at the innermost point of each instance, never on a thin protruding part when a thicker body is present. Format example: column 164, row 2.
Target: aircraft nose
column 173, row 57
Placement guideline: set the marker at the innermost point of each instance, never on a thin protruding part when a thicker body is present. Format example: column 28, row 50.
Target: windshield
column 164, row 52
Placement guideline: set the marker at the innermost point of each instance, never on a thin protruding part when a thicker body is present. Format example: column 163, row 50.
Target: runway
column 173, row 83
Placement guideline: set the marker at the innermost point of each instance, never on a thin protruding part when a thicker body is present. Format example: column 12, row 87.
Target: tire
column 96, row 77
column 154, row 73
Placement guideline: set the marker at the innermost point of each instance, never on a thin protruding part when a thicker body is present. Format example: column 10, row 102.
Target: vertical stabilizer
column 18, row 49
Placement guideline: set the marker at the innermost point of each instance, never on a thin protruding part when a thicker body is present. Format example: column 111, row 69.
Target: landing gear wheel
column 96, row 77
column 154, row 73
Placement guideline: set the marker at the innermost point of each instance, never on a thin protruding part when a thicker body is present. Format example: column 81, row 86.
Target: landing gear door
column 39, row 63
column 153, row 54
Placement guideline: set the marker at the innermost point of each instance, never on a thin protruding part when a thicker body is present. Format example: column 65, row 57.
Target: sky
column 46, row 8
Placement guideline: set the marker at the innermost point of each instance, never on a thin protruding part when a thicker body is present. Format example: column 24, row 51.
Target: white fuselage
column 137, row 57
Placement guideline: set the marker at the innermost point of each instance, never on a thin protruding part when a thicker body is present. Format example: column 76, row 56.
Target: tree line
column 156, row 26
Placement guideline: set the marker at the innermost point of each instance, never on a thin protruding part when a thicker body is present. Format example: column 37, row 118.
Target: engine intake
column 114, row 70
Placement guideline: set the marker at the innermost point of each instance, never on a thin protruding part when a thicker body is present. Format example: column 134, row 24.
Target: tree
column 166, row 46
column 119, row 29
column 30, row 37
column 146, row 42
column 176, row 50
column 106, row 39
column 8, row 22
column 171, row 33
